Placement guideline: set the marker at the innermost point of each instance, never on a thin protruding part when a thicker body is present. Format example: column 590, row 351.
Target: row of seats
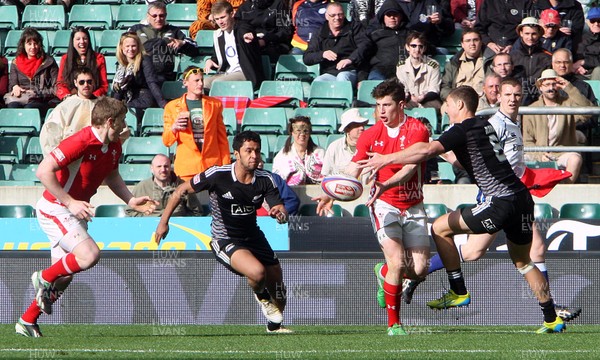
column 93, row 16
column 542, row 211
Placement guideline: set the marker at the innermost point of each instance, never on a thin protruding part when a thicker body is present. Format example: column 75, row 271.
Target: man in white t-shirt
column 236, row 50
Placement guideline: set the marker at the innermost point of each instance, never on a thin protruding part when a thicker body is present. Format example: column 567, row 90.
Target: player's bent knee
column 527, row 268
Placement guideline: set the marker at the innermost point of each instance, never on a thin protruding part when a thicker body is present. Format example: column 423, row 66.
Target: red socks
column 392, row 301
column 65, row 266
column 32, row 313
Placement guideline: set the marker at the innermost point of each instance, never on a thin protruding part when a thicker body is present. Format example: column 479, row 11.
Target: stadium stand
column 434, row 211
column 230, row 121
column 24, row 172
column 44, row 17
column 17, row 211
column 9, row 18
column 364, row 98
column 117, row 210
column 361, row 211
column 152, row 122
column 33, row 151
column 265, row 120
column 172, row 90
column 129, row 15
column 96, row 17
column 11, row 149
column 17, row 122
column 109, row 41
column 143, row 149
column 181, row 15
column 232, row 88
column 134, row 173
column 330, row 93
column 323, row 120
column 580, row 211
column 542, row 211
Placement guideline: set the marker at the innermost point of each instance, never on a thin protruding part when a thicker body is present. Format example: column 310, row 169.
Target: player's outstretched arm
column 143, row 204
column 414, row 154
column 279, row 213
column 400, row 177
column 163, row 226
column 46, row 172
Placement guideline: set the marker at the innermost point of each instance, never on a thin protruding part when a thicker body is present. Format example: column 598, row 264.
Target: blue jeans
column 342, row 76
column 376, row 75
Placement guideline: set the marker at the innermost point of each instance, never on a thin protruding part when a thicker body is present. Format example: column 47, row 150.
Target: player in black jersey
column 508, row 204
column 235, row 192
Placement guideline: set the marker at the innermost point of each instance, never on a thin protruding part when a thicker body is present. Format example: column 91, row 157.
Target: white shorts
column 408, row 226
column 63, row 229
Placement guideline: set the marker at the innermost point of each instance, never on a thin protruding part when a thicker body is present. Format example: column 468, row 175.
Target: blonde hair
column 137, row 61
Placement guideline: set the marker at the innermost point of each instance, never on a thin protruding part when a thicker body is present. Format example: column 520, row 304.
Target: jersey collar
column 234, row 178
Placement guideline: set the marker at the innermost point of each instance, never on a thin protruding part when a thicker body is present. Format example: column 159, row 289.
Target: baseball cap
column 352, row 116
column 550, row 16
column 529, row 21
column 593, row 13
column 546, row 74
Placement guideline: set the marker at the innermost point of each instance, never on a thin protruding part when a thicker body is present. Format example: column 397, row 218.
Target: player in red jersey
column 71, row 174
column 398, row 216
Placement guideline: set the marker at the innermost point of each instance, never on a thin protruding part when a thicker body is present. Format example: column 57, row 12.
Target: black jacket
column 351, row 43
column 416, row 12
column 387, row 44
column 248, row 54
column 534, row 60
column 497, row 18
column 144, row 87
column 589, row 50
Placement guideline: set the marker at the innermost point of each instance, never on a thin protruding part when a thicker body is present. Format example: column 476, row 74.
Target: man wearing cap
column 569, row 11
column 195, row 123
column 236, row 53
column 553, row 39
column 340, row 152
column 555, row 130
column 588, row 51
column 529, row 53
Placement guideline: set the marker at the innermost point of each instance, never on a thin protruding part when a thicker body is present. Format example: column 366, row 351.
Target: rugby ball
column 342, row 188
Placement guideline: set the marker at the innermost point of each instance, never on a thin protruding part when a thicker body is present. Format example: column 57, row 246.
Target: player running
column 235, row 192
column 398, row 216
column 507, row 205
column 71, row 174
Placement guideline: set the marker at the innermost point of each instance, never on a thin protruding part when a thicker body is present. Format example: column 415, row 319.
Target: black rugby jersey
column 234, row 204
column 479, row 151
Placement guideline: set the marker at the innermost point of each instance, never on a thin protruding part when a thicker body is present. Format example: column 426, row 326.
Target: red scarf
column 28, row 66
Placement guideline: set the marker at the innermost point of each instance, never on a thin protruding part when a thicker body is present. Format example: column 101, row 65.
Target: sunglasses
column 551, row 26
column 194, row 71
column 414, row 46
column 89, row 82
column 160, row 16
column 594, row 21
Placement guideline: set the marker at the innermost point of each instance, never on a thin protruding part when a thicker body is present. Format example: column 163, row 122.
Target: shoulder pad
column 434, row 64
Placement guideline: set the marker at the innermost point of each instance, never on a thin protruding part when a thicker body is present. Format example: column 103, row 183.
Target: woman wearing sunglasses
column 135, row 80
column 32, row 79
column 79, row 55
column 420, row 74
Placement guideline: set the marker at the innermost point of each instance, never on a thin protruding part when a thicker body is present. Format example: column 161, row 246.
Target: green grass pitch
column 308, row 342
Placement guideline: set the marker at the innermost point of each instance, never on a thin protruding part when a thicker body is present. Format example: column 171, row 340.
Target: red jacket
column 458, row 9
column 62, row 89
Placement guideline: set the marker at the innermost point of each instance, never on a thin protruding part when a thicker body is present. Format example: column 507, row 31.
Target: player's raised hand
column 81, row 209
column 279, row 213
column 375, row 162
column 324, row 204
column 161, row 232
column 143, row 204
column 380, row 188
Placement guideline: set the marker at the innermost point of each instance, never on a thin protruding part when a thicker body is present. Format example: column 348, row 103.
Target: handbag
column 23, row 99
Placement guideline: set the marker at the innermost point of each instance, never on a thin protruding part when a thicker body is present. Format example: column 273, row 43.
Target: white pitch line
column 229, row 352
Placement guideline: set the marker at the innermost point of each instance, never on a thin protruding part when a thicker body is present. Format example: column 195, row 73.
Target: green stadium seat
column 291, row 89
column 17, row 211
column 181, row 15
column 232, row 88
column 595, row 84
column 271, row 139
column 323, row 120
column 265, row 149
column 24, row 172
column 452, row 42
column 20, row 122
column 143, row 149
column 107, row 2
column 117, row 210
column 445, row 171
column 230, row 121
column 152, row 122
column 445, row 124
column 5, row 170
column 330, row 93
column 205, row 40
column 361, row 210
column 434, row 211
column 367, row 112
column 185, row 61
column 109, row 41
column 111, row 67
column 311, row 210
column 428, row 113
column 230, row 141
column 541, row 164
column 11, row 149
column 292, row 67
column 580, row 211
column 542, row 211
column 98, row 17
column 9, row 17
column 44, row 17
column 60, row 43
column 462, row 206
column 364, row 91
column 134, row 173
column 129, row 15
column 267, row 68
column 442, row 60
column 172, row 90
column 280, row 143
column 132, row 122
column 265, row 120
column 33, row 151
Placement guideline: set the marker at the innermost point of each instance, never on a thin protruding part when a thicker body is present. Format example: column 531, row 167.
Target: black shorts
column 513, row 214
column 258, row 246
